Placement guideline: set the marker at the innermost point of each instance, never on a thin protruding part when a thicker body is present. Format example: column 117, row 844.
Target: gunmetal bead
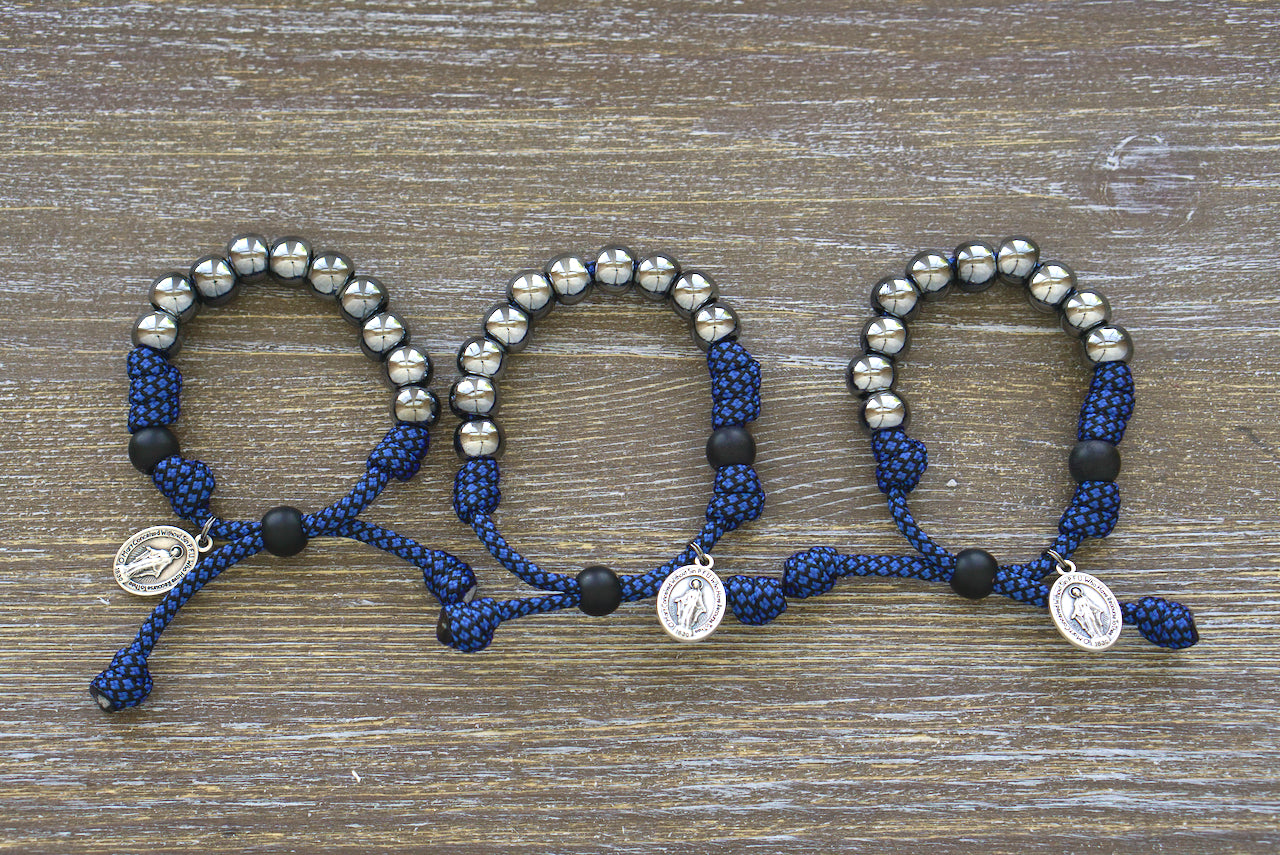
column 382, row 334
column 362, row 298
column 655, row 275
column 714, row 322
column 731, row 445
column 290, row 259
column 1084, row 309
column 869, row 373
column 478, row 438
column 214, row 279
column 1050, row 285
column 615, row 267
column 1094, row 460
column 159, row 331
column 1016, row 259
column 444, row 632
column 884, row 410
column 329, row 272
column 569, row 278
column 174, row 293
column 692, row 290
column 932, row 273
column 282, row 531
column 407, row 364
column 473, row 395
column 1107, row 343
column 149, row 446
column 975, row 574
column 508, row 325
column 483, row 356
column 976, row 268
column 885, row 335
column 531, row 291
column 415, row 404
column 897, row 296
column 600, row 591
column 248, row 255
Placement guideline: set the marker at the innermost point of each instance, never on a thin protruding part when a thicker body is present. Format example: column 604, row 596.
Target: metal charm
column 691, row 602
column 154, row 560
column 1083, row 608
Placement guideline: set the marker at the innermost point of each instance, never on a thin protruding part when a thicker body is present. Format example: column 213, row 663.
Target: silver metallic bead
column 975, row 266
column 214, row 279
column 407, row 365
column 655, row 275
column 158, row 331
column 472, row 395
column 1084, row 309
column 869, row 373
column 932, row 273
column 478, row 438
column 361, row 298
column 382, row 334
column 885, row 335
column 615, row 266
column 508, row 325
column 1107, row 343
column 248, row 255
column 569, row 278
column 174, row 293
column 692, row 290
column 883, row 410
column 329, row 272
column 1050, row 285
column 897, row 296
column 483, row 356
column 531, row 291
column 415, row 404
column 714, row 322
column 1016, row 259
column 290, row 259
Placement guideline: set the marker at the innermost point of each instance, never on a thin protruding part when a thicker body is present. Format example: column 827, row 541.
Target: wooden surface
column 797, row 151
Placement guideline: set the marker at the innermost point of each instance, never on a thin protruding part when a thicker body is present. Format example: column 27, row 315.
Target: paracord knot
column 475, row 489
column 812, row 572
column 187, row 484
column 126, row 682
column 735, row 385
column 900, row 460
column 738, row 496
column 1109, row 404
column 450, row 579
column 400, row 452
column 1162, row 622
column 155, row 388
column 471, row 625
column 755, row 600
column 1094, row 509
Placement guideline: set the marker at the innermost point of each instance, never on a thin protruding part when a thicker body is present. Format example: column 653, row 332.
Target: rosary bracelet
column 166, row 559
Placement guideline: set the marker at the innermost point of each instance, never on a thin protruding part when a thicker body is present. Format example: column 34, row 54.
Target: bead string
column 154, row 403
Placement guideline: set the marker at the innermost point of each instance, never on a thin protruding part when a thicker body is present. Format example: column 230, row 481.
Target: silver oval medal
column 155, row 559
column 691, row 602
column 1085, row 611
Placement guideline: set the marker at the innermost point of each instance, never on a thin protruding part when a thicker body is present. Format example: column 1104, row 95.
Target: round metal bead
column 1084, row 309
column 509, row 326
column 885, row 335
column 381, row 334
column 692, row 290
column 615, row 266
column 290, row 259
column 883, row 410
column 407, row 365
column 473, row 395
column 214, row 279
column 897, row 296
column 478, row 438
column 975, row 266
column 414, row 404
column 1107, row 343
column 174, row 293
column 483, row 356
column 869, row 373
column 932, row 273
column 1050, row 285
column 158, row 331
column 655, row 276
column 569, row 278
column 714, row 322
column 248, row 255
column 1016, row 259
column 531, row 291
column 362, row 298
column 329, row 272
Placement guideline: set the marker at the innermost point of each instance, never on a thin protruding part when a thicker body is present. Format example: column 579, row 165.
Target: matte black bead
column 282, row 532
column 601, row 590
column 1094, row 460
column 730, row 445
column 975, row 575
column 444, row 632
column 149, row 446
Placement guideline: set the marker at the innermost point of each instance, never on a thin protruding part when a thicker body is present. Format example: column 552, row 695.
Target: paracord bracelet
column 1082, row 608
column 696, row 598
column 163, row 559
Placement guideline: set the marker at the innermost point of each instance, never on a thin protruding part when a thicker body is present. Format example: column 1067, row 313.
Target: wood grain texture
column 797, row 151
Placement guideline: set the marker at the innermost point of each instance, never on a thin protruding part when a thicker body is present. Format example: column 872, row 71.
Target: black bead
column 149, row 446
column 601, row 590
column 1094, row 460
column 975, row 575
column 444, row 632
column 731, row 445
column 282, row 532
